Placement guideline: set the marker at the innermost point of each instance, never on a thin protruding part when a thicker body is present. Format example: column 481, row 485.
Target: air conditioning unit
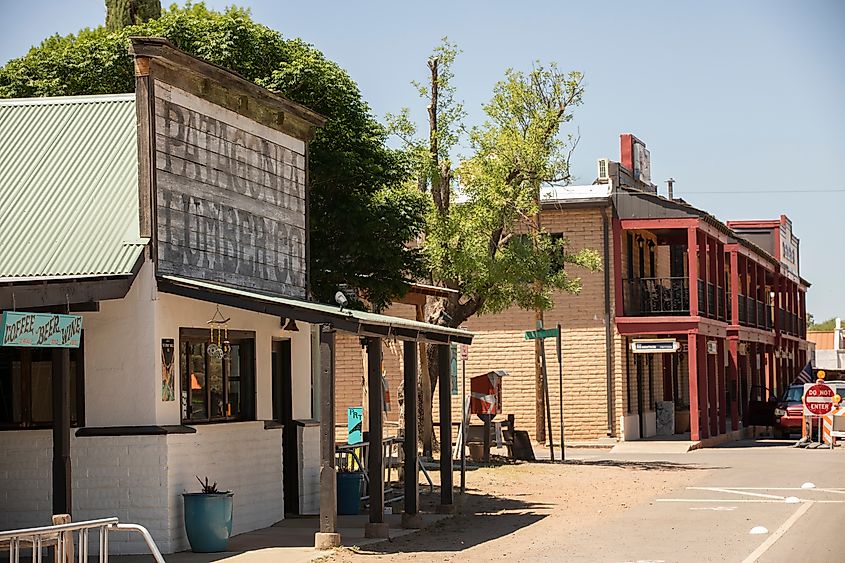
column 604, row 169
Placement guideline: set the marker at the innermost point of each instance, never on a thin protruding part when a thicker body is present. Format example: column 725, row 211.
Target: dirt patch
column 522, row 510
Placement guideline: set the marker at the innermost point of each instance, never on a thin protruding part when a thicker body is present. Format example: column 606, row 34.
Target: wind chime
column 219, row 346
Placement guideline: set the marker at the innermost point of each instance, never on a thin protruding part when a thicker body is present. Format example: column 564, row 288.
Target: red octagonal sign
column 818, row 399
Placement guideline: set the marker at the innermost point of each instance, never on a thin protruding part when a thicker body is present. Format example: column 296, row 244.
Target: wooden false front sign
column 230, row 196
column 42, row 330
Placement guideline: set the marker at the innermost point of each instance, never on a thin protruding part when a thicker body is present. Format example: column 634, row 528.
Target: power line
column 797, row 192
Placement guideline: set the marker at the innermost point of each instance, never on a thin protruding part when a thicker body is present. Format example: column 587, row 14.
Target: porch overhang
column 361, row 323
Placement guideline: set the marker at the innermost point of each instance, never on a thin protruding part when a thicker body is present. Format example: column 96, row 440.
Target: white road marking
column 734, row 492
column 835, row 491
column 831, row 489
column 770, row 541
column 717, row 508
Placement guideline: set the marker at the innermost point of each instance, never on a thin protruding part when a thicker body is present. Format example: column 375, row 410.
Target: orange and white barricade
column 829, row 435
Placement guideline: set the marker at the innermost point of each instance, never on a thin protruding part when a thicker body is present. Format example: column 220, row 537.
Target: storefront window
column 215, row 389
column 26, row 387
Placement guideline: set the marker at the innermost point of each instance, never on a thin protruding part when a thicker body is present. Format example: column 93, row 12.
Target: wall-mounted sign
column 642, row 162
column 712, row 347
column 654, row 345
column 230, row 196
column 168, row 392
column 40, row 330
column 354, row 425
column 788, row 247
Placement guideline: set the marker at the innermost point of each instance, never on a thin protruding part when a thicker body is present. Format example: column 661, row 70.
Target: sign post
column 560, row 387
column 464, row 416
column 541, row 334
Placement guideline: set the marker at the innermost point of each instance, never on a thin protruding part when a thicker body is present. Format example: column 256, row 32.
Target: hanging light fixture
column 291, row 326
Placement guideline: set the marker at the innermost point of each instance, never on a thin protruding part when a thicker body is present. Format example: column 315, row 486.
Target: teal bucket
column 349, row 493
column 208, row 521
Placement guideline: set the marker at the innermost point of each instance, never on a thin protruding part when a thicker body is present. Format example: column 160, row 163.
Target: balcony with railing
column 754, row 313
column 711, row 301
column 656, row 296
column 788, row 323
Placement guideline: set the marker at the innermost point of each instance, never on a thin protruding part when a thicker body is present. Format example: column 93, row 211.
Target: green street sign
column 542, row 333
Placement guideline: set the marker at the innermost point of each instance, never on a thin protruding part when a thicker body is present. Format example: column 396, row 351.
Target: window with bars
column 217, row 389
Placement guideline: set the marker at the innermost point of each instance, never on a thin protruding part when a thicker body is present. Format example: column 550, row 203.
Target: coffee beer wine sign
column 42, row 330
column 230, row 196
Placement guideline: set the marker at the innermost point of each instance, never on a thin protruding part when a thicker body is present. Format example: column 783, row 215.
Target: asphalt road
column 712, row 516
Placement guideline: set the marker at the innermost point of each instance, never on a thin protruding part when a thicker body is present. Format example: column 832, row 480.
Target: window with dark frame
column 558, row 252
column 26, row 387
column 216, row 389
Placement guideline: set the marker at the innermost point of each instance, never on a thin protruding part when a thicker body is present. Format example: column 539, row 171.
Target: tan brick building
column 640, row 342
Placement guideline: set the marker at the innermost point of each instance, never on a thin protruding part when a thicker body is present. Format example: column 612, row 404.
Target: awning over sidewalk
column 357, row 322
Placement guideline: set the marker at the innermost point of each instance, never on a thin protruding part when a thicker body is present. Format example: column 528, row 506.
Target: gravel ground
column 527, row 510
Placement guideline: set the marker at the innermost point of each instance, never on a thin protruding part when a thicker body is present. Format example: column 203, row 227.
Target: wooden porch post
column 327, row 537
column 712, row 392
column 376, row 527
column 703, row 377
column 411, row 517
column 721, row 282
column 692, row 266
column 735, row 285
column 445, row 388
column 62, row 497
column 694, row 401
column 734, row 375
column 723, row 388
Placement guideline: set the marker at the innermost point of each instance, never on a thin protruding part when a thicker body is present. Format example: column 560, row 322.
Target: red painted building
column 731, row 295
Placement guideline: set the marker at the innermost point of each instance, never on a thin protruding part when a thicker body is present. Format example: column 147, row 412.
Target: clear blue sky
column 740, row 102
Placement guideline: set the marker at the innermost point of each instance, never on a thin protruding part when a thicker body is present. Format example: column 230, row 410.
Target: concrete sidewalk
column 291, row 540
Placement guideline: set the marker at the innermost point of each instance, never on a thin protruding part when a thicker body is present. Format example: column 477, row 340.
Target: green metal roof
column 68, row 187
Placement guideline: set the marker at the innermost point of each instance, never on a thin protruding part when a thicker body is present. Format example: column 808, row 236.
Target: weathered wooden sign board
column 230, row 196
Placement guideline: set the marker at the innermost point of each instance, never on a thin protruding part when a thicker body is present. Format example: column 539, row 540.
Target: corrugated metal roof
column 68, row 187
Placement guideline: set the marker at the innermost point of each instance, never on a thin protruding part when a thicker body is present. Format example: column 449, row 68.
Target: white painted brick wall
column 242, row 457
column 140, row 479
column 25, row 478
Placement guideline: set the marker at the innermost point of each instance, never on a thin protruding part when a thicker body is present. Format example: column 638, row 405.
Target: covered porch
column 372, row 329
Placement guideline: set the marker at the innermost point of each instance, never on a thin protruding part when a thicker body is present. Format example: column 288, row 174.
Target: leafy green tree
column 362, row 210
column 483, row 238
column 827, row 325
column 120, row 13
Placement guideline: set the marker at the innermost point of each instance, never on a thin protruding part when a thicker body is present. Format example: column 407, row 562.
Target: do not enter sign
column 818, row 399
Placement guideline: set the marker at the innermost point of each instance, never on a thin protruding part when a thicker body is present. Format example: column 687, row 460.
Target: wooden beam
column 722, row 385
column 411, row 517
column 62, row 493
column 651, row 224
column 376, row 527
column 328, row 536
column 64, row 292
column 694, row 402
column 444, row 353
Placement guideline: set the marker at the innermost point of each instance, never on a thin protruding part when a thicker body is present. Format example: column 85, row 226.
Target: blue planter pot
column 349, row 493
column 208, row 521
